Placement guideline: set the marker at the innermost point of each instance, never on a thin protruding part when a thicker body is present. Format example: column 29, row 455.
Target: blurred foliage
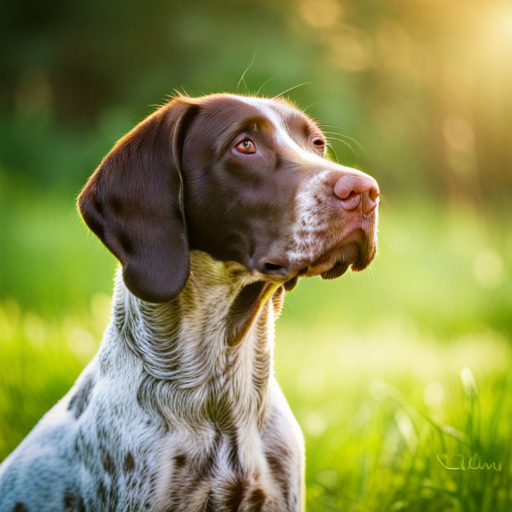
column 423, row 86
column 417, row 93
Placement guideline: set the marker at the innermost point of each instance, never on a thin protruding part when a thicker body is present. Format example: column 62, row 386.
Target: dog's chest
column 214, row 470
column 198, row 449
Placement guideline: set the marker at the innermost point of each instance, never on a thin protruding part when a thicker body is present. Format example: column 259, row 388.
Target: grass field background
column 399, row 376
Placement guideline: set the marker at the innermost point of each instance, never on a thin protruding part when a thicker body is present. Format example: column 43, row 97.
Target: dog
column 214, row 207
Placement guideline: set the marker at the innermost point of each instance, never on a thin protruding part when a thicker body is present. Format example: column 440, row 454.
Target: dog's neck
column 207, row 355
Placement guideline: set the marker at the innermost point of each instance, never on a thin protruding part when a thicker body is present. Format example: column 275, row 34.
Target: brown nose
column 352, row 190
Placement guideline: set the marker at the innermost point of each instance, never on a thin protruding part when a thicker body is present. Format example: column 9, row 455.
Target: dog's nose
column 352, row 190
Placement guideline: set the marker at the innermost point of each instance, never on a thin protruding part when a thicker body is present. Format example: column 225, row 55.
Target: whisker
column 332, row 149
column 265, row 83
column 332, row 133
column 349, row 138
column 242, row 78
column 344, row 142
column 290, row 89
column 332, row 126
column 309, row 106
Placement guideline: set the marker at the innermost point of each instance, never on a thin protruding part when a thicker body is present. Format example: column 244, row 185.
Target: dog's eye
column 319, row 143
column 246, row 146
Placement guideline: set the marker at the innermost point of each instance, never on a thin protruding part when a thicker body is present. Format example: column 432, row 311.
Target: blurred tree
column 423, row 86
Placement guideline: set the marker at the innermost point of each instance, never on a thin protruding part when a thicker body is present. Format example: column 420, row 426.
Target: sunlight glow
column 488, row 269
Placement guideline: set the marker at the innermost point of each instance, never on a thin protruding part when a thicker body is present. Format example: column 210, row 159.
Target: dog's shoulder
column 42, row 467
column 87, row 445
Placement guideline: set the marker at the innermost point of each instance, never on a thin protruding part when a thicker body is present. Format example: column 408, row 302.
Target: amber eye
column 319, row 143
column 246, row 146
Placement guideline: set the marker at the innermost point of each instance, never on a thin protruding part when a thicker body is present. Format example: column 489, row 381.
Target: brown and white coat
column 214, row 207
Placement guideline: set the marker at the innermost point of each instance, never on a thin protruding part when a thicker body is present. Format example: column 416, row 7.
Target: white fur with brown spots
column 180, row 410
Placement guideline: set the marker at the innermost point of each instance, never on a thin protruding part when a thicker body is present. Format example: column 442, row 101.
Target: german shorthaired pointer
column 214, row 207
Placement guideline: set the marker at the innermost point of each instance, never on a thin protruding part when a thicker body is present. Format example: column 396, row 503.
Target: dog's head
column 242, row 179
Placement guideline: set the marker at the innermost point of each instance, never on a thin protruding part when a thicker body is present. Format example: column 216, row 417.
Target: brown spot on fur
column 106, row 460
column 204, row 471
column 180, row 460
column 80, row 400
column 102, row 492
column 235, row 496
column 129, row 463
column 73, row 502
column 277, row 465
column 209, row 506
column 19, row 507
column 256, row 500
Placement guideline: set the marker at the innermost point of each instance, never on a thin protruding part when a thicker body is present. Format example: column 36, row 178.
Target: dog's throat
column 245, row 308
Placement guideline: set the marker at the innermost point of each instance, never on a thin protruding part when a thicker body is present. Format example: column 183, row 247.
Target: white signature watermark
column 457, row 462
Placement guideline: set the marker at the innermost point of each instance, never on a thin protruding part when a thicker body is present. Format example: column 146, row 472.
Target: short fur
column 180, row 411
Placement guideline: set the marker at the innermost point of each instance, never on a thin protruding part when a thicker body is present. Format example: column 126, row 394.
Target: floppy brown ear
column 133, row 203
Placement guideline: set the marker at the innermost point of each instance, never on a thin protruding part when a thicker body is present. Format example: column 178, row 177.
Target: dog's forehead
column 271, row 108
column 276, row 111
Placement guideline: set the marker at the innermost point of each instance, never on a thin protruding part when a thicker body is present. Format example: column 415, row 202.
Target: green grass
column 379, row 407
column 395, row 374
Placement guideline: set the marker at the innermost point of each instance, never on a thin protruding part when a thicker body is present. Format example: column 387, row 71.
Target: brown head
column 242, row 179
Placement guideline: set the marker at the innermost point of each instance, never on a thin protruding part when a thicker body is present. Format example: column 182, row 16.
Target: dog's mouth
column 355, row 251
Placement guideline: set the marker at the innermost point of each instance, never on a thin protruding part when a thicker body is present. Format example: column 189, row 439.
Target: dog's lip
column 350, row 251
column 346, row 252
column 343, row 256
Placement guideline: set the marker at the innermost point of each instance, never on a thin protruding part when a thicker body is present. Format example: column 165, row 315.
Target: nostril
column 352, row 189
column 370, row 207
column 351, row 202
column 370, row 201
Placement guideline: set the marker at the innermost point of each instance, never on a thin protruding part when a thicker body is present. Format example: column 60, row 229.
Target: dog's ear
column 134, row 204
